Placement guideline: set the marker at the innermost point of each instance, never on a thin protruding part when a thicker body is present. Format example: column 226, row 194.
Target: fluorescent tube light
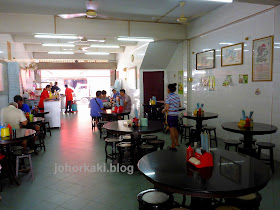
column 136, row 39
column 62, row 53
column 1, row 52
column 97, row 53
column 104, row 46
column 96, row 40
column 223, row 1
column 55, row 36
column 58, row 45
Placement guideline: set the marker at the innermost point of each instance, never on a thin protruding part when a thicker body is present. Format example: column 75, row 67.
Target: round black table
column 233, row 174
column 41, row 114
column 155, row 111
column 199, row 119
column 36, row 120
column 257, row 129
column 108, row 114
column 118, row 127
column 7, row 142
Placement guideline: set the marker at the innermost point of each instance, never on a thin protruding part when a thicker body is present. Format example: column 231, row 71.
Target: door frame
column 141, row 75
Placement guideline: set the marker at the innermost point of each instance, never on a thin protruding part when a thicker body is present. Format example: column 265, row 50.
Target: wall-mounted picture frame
column 262, row 59
column 232, row 55
column 205, row 60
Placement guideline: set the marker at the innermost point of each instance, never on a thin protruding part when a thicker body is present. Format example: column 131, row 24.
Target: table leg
column 198, row 128
column 248, row 146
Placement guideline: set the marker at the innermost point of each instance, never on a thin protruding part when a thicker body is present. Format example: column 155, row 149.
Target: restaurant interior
column 129, row 104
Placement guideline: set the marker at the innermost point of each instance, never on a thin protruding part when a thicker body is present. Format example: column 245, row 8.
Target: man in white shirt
column 13, row 116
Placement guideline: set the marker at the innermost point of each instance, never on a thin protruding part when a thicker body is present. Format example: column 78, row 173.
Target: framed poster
column 262, row 59
column 243, row 78
column 232, row 55
column 180, row 82
column 205, row 60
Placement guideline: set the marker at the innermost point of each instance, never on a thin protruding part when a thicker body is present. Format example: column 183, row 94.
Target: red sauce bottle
column 189, row 152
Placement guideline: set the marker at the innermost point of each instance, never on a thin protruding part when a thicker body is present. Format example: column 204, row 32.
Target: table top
column 21, row 134
column 233, row 174
column 206, row 116
column 39, row 114
column 257, row 129
column 119, row 127
column 108, row 112
column 155, row 105
column 36, row 120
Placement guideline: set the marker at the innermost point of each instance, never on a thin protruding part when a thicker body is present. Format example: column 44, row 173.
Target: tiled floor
column 75, row 145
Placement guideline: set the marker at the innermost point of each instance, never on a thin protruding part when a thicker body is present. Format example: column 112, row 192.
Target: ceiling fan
column 90, row 13
column 182, row 19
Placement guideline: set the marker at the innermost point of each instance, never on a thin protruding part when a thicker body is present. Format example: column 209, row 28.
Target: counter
column 32, row 102
column 54, row 107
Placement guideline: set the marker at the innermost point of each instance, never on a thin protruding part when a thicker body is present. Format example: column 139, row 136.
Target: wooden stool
column 157, row 143
column 184, row 129
column 48, row 129
column 122, row 147
column 146, row 148
column 253, row 140
column 251, row 201
column 100, row 125
column 231, row 143
column 208, row 129
column 268, row 146
column 155, row 199
column 148, row 137
column 41, row 141
column 19, row 155
column 111, row 142
column 223, row 207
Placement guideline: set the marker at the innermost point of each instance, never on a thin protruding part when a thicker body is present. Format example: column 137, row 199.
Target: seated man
column 126, row 101
column 19, row 100
column 15, row 117
column 96, row 107
column 25, row 108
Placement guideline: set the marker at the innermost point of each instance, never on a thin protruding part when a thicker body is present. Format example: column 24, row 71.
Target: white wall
column 124, row 61
column 229, row 101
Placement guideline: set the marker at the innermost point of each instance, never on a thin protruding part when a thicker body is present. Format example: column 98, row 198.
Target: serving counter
column 54, row 107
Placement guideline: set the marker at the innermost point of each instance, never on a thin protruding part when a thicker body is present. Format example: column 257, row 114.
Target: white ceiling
column 145, row 10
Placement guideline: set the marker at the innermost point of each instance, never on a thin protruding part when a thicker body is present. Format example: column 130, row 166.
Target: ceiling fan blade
column 69, row 16
column 90, row 5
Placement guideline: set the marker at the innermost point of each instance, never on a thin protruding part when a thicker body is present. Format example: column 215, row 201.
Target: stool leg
column 236, row 147
column 271, row 159
column 17, row 166
column 259, row 152
column 106, row 154
column 161, row 146
column 216, row 141
column 31, row 168
column 182, row 131
column 185, row 134
column 49, row 129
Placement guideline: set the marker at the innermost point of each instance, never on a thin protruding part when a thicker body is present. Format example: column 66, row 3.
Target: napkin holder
column 206, row 160
column 144, row 122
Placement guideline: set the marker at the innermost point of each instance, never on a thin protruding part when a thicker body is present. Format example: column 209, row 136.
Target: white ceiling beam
column 30, row 24
column 265, row 2
column 41, row 55
column 69, row 66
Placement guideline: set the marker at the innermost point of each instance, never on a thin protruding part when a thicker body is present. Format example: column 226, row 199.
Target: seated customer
column 96, row 106
column 115, row 95
column 15, row 117
column 126, row 101
column 19, row 100
column 104, row 98
column 25, row 108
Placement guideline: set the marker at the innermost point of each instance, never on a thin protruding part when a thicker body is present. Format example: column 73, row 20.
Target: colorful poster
column 205, row 81
column 243, row 78
column 211, row 83
column 262, row 59
column 227, row 81
column 180, row 82
column 232, row 55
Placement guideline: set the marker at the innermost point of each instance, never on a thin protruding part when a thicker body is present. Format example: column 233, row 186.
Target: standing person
column 55, row 88
column 69, row 99
column 126, row 101
column 44, row 97
column 172, row 104
column 96, row 106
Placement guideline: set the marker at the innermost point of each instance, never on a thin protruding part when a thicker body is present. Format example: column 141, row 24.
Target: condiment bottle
column 247, row 124
column 189, row 152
